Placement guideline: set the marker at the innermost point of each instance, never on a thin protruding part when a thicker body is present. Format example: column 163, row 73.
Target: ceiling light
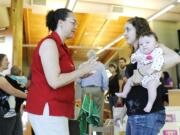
column 110, row 44
column 71, row 4
column 161, row 12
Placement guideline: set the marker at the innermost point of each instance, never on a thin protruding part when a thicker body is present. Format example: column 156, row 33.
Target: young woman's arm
column 171, row 57
column 8, row 88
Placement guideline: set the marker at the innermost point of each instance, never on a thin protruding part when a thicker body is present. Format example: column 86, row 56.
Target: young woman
column 50, row 99
column 140, row 122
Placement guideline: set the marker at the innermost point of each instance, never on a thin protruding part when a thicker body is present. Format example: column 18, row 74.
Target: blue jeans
column 147, row 124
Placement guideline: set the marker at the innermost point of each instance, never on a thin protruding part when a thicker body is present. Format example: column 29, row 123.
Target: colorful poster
column 170, row 118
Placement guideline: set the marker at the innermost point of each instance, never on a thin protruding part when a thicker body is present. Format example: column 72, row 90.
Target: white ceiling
column 143, row 8
column 172, row 15
column 112, row 8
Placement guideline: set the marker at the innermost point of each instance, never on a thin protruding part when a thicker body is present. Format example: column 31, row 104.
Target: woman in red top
column 50, row 99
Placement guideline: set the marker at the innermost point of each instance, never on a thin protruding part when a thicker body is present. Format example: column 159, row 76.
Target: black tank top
column 138, row 96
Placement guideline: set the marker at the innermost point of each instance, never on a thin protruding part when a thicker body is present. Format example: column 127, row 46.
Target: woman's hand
column 86, row 75
column 171, row 58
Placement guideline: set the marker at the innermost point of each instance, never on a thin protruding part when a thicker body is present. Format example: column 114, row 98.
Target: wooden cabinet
column 174, row 97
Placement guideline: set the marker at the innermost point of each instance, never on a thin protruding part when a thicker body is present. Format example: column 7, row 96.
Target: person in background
column 113, row 86
column 7, row 125
column 140, row 122
column 22, row 81
column 122, row 76
column 167, row 80
column 19, row 82
column 167, row 83
column 96, row 84
column 16, row 74
column 50, row 101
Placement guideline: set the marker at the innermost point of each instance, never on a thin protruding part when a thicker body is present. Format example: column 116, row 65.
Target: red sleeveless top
column 61, row 100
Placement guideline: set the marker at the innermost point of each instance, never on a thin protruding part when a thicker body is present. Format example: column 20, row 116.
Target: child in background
column 16, row 74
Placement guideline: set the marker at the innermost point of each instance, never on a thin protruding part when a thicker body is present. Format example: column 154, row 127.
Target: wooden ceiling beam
column 76, row 47
column 101, row 32
column 109, row 57
column 112, row 54
column 82, row 28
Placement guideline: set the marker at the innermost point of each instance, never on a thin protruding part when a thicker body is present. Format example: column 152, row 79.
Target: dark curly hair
column 53, row 17
column 149, row 33
column 141, row 25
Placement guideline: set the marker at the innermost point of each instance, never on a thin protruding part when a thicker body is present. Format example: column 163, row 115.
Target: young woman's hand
column 171, row 58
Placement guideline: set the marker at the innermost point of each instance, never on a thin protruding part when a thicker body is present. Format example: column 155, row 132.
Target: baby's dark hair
column 53, row 17
column 149, row 33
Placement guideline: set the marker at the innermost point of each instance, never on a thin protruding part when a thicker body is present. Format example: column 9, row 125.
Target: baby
column 148, row 53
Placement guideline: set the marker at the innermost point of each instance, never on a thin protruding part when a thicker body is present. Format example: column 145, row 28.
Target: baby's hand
column 138, row 58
